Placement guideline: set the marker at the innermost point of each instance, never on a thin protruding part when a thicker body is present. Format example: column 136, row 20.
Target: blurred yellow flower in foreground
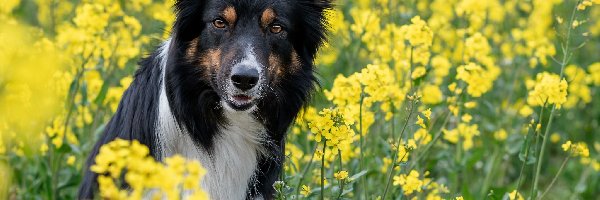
column 144, row 175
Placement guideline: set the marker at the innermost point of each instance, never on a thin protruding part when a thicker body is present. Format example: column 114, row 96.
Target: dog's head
column 245, row 49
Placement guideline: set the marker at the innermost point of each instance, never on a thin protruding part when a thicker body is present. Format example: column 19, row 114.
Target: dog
column 223, row 90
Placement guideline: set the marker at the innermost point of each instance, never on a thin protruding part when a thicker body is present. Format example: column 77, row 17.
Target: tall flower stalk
column 565, row 60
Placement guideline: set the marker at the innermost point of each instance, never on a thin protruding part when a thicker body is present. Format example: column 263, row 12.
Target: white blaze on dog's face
column 244, row 85
column 243, row 51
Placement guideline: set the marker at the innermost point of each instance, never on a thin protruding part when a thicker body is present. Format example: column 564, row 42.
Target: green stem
column 437, row 136
column 360, row 133
column 488, row 177
column 341, row 181
column 564, row 62
column 527, row 147
column 536, row 134
column 395, row 152
column 562, row 166
column 539, row 161
column 305, row 171
column 323, row 171
column 582, row 179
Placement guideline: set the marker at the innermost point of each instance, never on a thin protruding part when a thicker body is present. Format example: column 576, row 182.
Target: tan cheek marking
column 192, row 50
column 275, row 68
column 295, row 65
column 267, row 17
column 211, row 61
column 230, row 15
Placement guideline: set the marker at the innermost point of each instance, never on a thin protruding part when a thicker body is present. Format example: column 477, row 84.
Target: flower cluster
column 548, row 88
column 464, row 134
column 145, row 176
column 334, row 126
column 413, row 182
column 576, row 149
column 477, row 79
column 417, row 33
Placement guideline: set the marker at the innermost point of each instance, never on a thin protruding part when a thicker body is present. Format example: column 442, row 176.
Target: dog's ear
column 312, row 24
column 187, row 14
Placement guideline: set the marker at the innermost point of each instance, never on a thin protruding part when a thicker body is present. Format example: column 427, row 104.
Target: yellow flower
column 410, row 183
column 334, row 126
column 514, row 195
column 427, row 113
column 525, row 111
column 418, row 73
column 431, row 94
column 594, row 70
column 548, row 88
column 142, row 173
column 555, row 138
column 8, row 5
column 441, row 67
column 478, row 79
column 578, row 87
column 421, row 137
column 71, row 160
column 576, row 149
column 418, row 33
column 477, row 46
column 464, row 132
column 420, row 122
column 43, row 149
column 500, row 135
column 29, row 87
column 341, row 175
column 470, row 104
column 466, row 118
column 403, row 153
column 305, row 190
column 318, row 154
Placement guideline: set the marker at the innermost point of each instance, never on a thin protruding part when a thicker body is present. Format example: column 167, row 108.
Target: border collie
column 223, row 90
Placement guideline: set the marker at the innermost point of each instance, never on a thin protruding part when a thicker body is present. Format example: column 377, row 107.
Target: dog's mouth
column 240, row 102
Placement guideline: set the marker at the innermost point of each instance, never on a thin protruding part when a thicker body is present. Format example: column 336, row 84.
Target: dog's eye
column 219, row 23
column 275, row 28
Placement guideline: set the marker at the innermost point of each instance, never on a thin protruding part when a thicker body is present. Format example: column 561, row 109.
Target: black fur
column 195, row 101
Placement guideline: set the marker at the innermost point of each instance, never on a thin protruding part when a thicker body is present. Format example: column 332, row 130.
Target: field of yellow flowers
column 419, row 99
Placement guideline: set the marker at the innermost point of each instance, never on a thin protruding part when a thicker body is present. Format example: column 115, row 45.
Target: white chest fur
column 236, row 148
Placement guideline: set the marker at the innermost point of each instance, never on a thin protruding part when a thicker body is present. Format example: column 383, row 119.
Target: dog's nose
column 244, row 77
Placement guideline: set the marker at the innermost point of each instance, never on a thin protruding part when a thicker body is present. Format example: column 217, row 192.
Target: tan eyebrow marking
column 230, row 15
column 267, row 17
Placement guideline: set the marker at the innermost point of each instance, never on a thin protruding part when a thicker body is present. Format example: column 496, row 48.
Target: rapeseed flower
column 514, row 195
column 578, row 87
column 305, row 190
column 463, row 132
column 594, row 70
column 548, row 88
column 145, row 176
column 576, row 149
column 334, row 126
column 417, row 33
column 410, row 182
column 341, row 175
column 479, row 80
